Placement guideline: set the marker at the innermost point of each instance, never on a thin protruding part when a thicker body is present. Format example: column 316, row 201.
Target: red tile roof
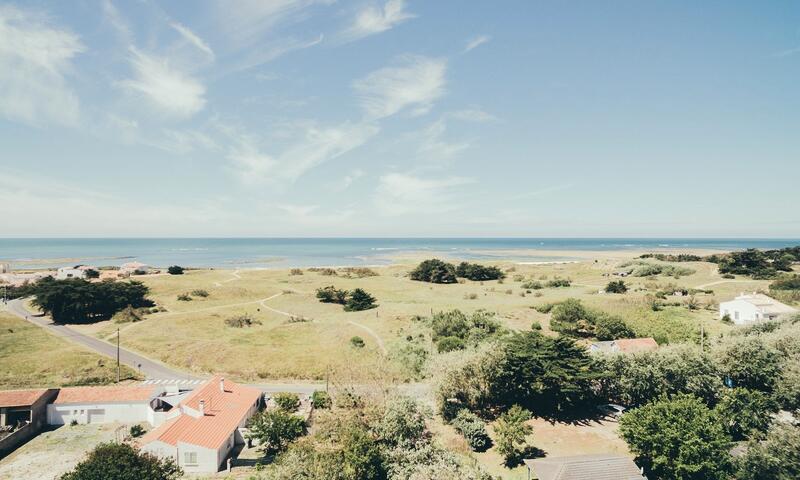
column 135, row 393
column 223, row 412
column 20, row 398
column 632, row 345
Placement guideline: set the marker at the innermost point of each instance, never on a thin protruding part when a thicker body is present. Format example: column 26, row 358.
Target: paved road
column 151, row 368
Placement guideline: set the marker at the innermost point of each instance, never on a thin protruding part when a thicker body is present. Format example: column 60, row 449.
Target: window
column 736, row 314
column 190, row 458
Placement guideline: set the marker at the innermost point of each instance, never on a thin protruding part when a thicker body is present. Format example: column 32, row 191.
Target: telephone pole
column 118, row 355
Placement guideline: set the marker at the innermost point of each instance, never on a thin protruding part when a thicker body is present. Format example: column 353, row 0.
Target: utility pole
column 327, row 377
column 118, row 355
column 702, row 337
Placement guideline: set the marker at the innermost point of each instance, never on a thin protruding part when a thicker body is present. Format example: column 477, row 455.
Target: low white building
column 78, row 271
column 124, row 404
column 134, row 268
column 200, row 434
column 753, row 307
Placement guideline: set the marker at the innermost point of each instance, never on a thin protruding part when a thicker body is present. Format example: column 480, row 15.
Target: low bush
column 559, row 282
column 616, row 287
column 184, row 297
column 287, row 401
column 473, row 429
column 786, row 283
column 477, row 272
column 449, row 344
column 359, row 300
column 434, row 271
column 136, row 431
column 359, row 272
column 331, row 294
column 357, row 342
column 295, row 271
column 532, row 285
column 241, row 321
column 200, row 293
column 320, row 399
column 175, row 270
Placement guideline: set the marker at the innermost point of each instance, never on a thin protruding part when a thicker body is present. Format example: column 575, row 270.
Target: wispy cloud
column 374, row 19
column 434, row 148
column 250, row 20
column 787, row 53
column 400, row 194
column 416, row 82
column 167, row 88
column 267, row 53
column 35, row 58
column 348, row 180
column 476, row 42
column 472, row 115
column 193, row 39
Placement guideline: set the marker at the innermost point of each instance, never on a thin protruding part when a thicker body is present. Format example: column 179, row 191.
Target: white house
column 78, row 271
column 134, row 268
column 200, row 434
column 125, row 404
column 753, row 307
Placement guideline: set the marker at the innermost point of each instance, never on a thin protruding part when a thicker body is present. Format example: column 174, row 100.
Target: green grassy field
column 193, row 335
column 32, row 357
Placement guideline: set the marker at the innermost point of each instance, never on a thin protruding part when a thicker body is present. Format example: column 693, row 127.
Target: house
column 125, row 404
column 23, row 414
column 625, row 345
column 78, row 271
column 584, row 467
column 134, row 268
column 753, row 307
column 200, row 434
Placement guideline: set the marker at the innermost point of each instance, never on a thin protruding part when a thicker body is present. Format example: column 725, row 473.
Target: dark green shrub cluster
column 558, row 283
column 320, row 399
column 434, row 271
column 570, row 317
column 79, row 301
column 617, row 286
column 789, row 282
column 241, row 321
column 473, row 429
column 175, row 270
column 287, row 401
column 477, row 272
column 354, row 301
column 532, row 285
column 357, row 342
column 455, row 330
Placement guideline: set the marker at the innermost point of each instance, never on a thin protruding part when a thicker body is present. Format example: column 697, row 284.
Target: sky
column 400, row 118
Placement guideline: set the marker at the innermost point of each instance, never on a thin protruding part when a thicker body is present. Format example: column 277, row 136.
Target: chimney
column 202, row 407
column 222, row 385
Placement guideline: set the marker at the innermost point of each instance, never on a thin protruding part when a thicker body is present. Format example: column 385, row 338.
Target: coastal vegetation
column 353, row 301
column 80, row 301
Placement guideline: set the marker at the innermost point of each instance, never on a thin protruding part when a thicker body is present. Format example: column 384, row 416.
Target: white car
column 612, row 410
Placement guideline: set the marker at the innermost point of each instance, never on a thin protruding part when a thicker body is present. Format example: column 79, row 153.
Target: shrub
column 609, row 327
column 403, row 423
column 184, row 297
column 744, row 411
column 775, row 456
column 728, row 275
column 359, row 300
column 275, row 429
column 136, row 431
column 532, row 285
column 545, row 308
column 786, row 283
column 121, row 461
column 287, row 401
column 241, row 321
column 616, row 287
column 320, row 399
column 559, row 282
column 360, row 272
column 449, row 344
column 511, row 431
column 128, row 315
column 470, row 296
column 357, row 341
column 473, row 429
column 434, row 271
column 200, row 293
column 477, row 272
column 328, row 272
column 175, row 270
column 331, row 294
column 536, row 325
column 295, row 271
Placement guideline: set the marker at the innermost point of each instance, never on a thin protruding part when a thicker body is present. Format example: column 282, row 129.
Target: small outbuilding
column 23, row 414
column 124, row 404
column 584, row 467
column 134, row 268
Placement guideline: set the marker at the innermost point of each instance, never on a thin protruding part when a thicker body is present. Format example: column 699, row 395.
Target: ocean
column 305, row 252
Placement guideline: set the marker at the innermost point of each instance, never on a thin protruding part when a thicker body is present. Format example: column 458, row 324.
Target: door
column 96, row 415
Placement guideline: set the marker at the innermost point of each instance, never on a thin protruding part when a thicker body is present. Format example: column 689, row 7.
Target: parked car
column 612, row 410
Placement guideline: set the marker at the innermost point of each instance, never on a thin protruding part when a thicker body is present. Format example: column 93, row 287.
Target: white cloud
column 399, row 194
column 169, row 89
column 434, row 148
column 35, row 58
column 349, row 179
column 192, row 38
column 374, row 19
column 416, row 82
column 473, row 115
column 476, row 42
column 249, row 20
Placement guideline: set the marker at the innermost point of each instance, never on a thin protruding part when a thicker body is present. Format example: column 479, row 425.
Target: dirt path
column 710, row 284
column 235, row 275
column 167, row 314
column 372, row 334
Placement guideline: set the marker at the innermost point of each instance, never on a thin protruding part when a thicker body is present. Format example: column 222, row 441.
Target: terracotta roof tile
column 631, row 345
column 223, row 412
column 135, row 393
column 20, row 398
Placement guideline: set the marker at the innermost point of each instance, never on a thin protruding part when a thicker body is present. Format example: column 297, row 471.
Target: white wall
column 64, row 273
column 208, row 460
column 741, row 312
column 62, row 414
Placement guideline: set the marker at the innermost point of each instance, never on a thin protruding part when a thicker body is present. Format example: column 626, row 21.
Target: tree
column 570, row 317
column 478, row 273
column 359, row 300
column 750, row 363
column 610, row 327
column 550, row 376
column 511, row 431
column 743, row 411
column 776, row 456
column 120, row 461
column 434, row 271
column 331, row 294
column 175, row 270
column 275, row 429
column 616, row 287
column 402, row 423
column 791, row 282
column 787, row 389
column 79, row 301
column 678, row 438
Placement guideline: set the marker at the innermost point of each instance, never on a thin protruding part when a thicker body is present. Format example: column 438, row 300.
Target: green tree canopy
column 120, row 461
column 678, row 438
column 776, row 456
column 79, row 301
column 275, row 429
column 359, row 300
column 434, row 271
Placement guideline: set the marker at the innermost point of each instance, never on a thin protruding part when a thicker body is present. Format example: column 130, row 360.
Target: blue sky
column 400, row 118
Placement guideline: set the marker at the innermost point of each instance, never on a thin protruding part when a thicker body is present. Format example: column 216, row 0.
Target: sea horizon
column 287, row 252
